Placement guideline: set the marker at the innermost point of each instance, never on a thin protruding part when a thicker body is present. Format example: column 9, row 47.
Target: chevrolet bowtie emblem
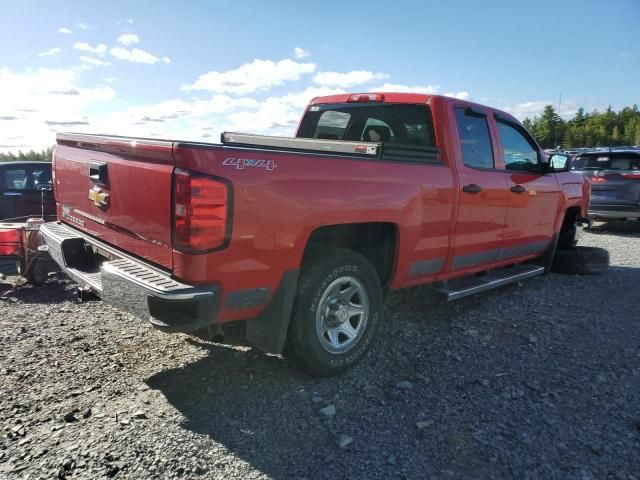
column 98, row 197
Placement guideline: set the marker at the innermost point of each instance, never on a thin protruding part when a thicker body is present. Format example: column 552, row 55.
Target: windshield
column 606, row 162
column 402, row 124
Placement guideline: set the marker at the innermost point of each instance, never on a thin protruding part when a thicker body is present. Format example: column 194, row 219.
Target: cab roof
column 408, row 97
column 391, row 97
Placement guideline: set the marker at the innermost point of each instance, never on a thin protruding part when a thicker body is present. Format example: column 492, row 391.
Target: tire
column 581, row 261
column 38, row 272
column 336, row 313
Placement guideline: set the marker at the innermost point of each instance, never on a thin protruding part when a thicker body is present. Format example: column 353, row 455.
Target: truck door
column 483, row 192
column 533, row 197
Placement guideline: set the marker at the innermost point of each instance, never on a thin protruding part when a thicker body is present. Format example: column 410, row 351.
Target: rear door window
column 475, row 140
column 15, row 179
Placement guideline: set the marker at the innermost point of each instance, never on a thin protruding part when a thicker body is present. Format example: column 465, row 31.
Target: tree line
column 586, row 129
column 30, row 156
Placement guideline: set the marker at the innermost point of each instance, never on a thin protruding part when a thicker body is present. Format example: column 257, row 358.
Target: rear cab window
column 396, row 125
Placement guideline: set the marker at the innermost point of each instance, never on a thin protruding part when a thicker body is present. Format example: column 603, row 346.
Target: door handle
column 518, row 189
column 12, row 194
column 472, row 188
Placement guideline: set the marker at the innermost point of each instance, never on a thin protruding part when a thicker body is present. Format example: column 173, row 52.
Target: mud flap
column 546, row 259
column 268, row 331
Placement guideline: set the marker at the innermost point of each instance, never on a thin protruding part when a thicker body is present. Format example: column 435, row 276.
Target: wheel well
column 567, row 230
column 375, row 241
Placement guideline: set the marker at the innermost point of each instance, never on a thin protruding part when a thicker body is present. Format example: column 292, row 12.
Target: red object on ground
column 11, row 238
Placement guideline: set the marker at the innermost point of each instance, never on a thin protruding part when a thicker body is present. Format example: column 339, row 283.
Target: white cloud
column 399, row 88
column 99, row 50
column 93, row 61
column 424, row 89
column 301, row 53
column 128, row 38
column 36, row 103
column 459, row 95
column 349, row 79
column 527, row 109
column 51, row 52
column 177, row 119
column 259, row 75
column 82, row 26
column 277, row 115
column 64, row 30
column 137, row 55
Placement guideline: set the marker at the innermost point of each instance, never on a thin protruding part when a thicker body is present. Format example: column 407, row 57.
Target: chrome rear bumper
column 130, row 284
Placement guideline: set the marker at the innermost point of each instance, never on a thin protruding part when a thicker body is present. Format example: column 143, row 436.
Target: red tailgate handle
column 98, row 173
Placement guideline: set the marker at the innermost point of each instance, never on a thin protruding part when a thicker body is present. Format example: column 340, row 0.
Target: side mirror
column 559, row 162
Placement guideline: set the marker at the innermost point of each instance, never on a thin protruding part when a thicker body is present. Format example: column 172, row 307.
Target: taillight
column 201, row 211
column 366, row 97
column 598, row 179
column 631, row 176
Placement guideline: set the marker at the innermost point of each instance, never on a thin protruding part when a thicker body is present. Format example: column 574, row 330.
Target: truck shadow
column 266, row 412
column 257, row 407
column 57, row 289
column 622, row 229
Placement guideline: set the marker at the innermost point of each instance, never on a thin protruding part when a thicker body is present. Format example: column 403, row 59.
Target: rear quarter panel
column 576, row 191
column 275, row 212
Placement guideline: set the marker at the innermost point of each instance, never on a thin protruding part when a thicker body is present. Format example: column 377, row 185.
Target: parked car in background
column 26, row 190
column 615, row 183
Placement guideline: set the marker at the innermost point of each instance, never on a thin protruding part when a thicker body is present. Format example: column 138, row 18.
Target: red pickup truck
column 302, row 237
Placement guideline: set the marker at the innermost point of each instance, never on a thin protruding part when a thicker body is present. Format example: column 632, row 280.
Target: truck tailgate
column 117, row 190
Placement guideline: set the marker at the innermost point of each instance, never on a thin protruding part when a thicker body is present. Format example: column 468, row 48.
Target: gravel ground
column 536, row 380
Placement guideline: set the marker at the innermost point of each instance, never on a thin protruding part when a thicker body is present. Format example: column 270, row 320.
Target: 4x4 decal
column 241, row 163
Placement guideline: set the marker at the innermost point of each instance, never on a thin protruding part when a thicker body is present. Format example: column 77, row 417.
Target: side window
column 41, row 178
column 475, row 140
column 519, row 151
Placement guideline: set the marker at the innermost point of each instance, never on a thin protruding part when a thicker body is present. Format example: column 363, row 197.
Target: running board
column 465, row 286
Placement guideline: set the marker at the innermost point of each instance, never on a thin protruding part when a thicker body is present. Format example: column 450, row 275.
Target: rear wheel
column 581, row 261
column 337, row 310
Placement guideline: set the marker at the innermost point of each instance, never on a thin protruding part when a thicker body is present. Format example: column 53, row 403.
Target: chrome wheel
column 342, row 315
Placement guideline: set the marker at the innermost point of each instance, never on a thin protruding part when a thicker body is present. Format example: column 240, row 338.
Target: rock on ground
column 537, row 380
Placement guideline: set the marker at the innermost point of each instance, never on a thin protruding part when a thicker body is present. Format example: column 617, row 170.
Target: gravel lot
column 536, row 380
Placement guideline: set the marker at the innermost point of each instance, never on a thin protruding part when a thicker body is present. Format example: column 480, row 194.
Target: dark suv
column 26, row 190
column 615, row 183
